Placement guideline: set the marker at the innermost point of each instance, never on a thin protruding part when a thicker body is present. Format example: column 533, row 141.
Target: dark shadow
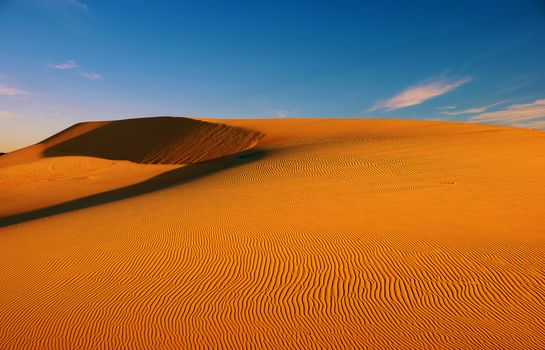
column 167, row 140
column 171, row 178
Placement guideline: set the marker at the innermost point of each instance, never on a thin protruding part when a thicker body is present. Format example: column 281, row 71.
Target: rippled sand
column 275, row 234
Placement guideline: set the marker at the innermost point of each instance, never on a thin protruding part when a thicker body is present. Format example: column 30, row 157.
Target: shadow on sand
column 167, row 140
column 171, row 178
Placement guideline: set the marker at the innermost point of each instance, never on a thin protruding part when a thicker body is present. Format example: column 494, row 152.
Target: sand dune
column 160, row 140
column 45, row 182
column 94, row 157
column 345, row 234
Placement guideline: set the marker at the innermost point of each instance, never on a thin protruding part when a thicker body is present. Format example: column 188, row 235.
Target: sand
column 295, row 233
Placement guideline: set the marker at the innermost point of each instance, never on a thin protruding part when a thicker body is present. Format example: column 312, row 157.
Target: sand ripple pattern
column 296, row 251
column 159, row 140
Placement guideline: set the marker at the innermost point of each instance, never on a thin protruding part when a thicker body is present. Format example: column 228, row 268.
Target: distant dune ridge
column 159, row 140
column 294, row 233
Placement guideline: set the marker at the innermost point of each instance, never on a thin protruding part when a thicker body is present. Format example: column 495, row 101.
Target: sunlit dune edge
column 293, row 233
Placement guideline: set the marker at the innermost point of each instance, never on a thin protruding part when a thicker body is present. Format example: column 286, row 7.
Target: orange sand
column 346, row 234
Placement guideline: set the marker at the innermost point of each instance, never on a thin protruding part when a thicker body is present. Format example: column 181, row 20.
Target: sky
column 67, row 61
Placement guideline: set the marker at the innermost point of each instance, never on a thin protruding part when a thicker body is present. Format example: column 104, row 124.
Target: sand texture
column 295, row 233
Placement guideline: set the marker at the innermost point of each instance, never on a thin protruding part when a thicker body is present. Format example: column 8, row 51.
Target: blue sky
column 66, row 61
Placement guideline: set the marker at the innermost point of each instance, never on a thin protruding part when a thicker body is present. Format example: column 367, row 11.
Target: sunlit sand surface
column 346, row 234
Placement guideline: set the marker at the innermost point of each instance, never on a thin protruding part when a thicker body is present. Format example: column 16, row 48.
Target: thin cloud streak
column 466, row 111
column 5, row 114
column 74, row 66
column 514, row 113
column 71, row 64
column 280, row 113
column 91, row 76
column 538, row 124
column 418, row 94
column 474, row 110
column 12, row 92
column 79, row 4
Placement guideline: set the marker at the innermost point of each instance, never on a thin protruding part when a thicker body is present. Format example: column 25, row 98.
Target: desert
column 303, row 233
column 296, row 174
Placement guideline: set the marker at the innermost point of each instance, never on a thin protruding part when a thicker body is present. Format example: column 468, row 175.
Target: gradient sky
column 66, row 61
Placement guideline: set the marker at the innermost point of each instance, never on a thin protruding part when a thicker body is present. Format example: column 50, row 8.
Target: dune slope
column 159, row 140
column 346, row 234
column 94, row 157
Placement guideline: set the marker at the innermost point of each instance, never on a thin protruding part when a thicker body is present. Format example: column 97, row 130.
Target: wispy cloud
column 280, row 113
column 71, row 64
column 517, row 84
column 91, row 76
column 5, row 114
column 79, row 4
column 494, row 51
column 465, row 111
column 418, row 94
column 74, row 66
column 514, row 113
column 12, row 92
column 538, row 124
column 474, row 110
column 64, row 6
column 446, row 108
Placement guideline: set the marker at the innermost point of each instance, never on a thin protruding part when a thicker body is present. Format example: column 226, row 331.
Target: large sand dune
column 160, row 140
column 89, row 159
column 320, row 234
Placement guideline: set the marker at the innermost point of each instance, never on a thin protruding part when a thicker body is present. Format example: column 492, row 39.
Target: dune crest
column 157, row 140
